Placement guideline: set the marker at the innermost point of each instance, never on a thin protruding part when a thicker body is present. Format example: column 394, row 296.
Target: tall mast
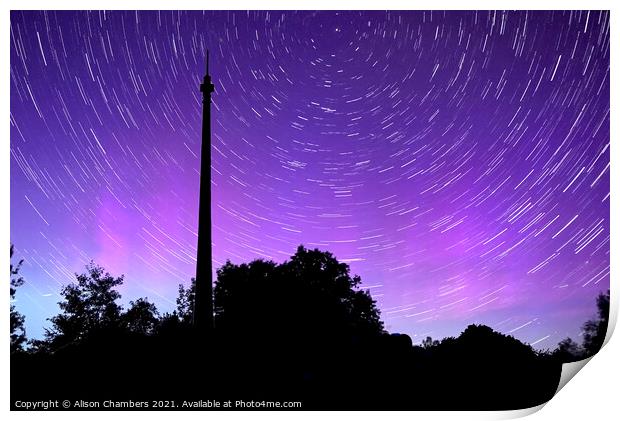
column 203, row 305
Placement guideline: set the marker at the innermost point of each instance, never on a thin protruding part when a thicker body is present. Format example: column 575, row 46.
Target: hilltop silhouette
column 301, row 331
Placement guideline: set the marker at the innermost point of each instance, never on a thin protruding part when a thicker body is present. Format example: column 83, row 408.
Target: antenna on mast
column 207, row 61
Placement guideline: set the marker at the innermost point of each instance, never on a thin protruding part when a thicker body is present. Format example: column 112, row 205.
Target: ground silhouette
column 300, row 331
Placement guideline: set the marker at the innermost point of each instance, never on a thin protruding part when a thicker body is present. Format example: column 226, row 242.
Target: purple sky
column 459, row 161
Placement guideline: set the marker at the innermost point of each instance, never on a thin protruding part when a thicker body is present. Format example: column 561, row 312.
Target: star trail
column 457, row 161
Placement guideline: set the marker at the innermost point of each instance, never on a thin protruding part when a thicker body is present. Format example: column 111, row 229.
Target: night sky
column 458, row 161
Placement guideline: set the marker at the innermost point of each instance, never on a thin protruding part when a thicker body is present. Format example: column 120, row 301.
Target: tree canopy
column 568, row 350
column 594, row 330
column 141, row 317
column 311, row 294
column 89, row 304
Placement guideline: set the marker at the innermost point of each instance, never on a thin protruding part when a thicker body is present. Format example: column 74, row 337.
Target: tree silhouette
column 301, row 330
column 594, row 331
column 88, row 305
column 185, row 302
column 312, row 295
column 484, row 341
column 568, row 351
column 429, row 343
column 181, row 318
column 18, row 332
column 141, row 317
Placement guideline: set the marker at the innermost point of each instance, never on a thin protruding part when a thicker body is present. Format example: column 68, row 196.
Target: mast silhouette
column 203, row 300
